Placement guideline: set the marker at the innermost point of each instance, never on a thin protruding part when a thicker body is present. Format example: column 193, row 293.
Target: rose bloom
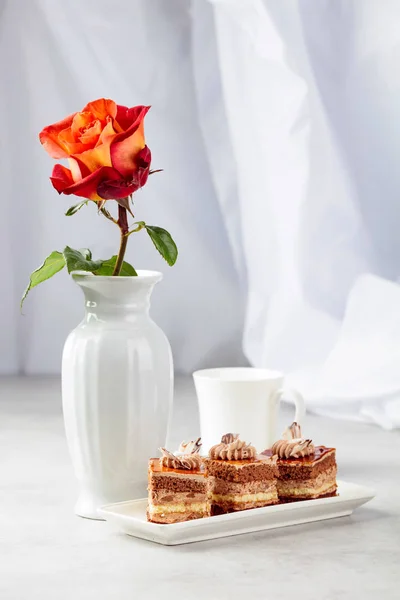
column 106, row 151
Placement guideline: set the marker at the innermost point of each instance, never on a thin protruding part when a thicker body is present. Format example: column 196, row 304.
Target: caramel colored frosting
column 235, row 450
column 295, row 448
column 192, row 447
column 190, row 462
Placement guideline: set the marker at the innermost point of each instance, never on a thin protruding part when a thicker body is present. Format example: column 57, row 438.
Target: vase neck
column 117, row 297
column 98, row 305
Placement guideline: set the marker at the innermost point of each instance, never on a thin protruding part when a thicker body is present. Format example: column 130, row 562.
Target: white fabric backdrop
column 54, row 57
column 278, row 126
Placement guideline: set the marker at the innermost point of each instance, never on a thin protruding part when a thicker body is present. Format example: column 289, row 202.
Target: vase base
column 86, row 507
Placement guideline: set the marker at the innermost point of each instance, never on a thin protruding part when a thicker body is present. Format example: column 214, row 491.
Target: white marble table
column 49, row 554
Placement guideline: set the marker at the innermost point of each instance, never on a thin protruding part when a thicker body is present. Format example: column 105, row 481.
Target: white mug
column 242, row 400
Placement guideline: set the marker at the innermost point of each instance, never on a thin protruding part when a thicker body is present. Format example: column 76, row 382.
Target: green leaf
column 77, row 260
column 74, row 209
column 52, row 264
column 86, row 253
column 164, row 243
column 107, row 268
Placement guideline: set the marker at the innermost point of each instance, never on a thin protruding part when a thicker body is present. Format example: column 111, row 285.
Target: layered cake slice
column 177, row 489
column 238, row 478
column 305, row 471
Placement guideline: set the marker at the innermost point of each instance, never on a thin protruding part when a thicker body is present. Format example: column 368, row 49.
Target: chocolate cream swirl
column 235, row 450
column 295, row 448
column 190, row 462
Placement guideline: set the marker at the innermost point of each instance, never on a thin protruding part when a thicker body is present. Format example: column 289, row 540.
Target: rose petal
column 78, row 170
column 120, row 188
column 70, row 143
column 126, row 146
column 143, row 168
column 101, row 108
column 96, row 157
column 143, row 162
column 61, row 178
column 128, row 116
column 107, row 133
column 80, row 120
column 116, row 189
column 49, row 138
column 86, row 187
column 91, row 135
column 82, row 135
column 123, row 154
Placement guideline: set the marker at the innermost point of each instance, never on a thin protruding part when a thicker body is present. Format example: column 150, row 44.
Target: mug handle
column 298, row 401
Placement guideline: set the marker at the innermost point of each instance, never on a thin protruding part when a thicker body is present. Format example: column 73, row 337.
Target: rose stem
column 123, row 225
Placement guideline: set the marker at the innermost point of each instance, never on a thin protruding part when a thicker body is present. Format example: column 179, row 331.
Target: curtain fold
column 312, row 101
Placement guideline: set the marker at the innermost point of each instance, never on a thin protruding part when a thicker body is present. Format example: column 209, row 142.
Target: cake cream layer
column 245, row 498
column 223, row 504
column 180, row 507
column 304, row 493
column 229, row 496
column 323, row 484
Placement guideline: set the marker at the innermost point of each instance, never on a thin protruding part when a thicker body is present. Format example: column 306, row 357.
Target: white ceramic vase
column 117, row 385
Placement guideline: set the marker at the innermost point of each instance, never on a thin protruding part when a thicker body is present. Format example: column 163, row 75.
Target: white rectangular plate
column 130, row 517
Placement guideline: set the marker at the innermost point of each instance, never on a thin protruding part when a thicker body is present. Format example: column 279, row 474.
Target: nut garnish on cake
column 239, row 479
column 305, row 471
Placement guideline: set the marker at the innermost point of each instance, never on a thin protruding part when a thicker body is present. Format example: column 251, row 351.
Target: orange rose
column 106, row 151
